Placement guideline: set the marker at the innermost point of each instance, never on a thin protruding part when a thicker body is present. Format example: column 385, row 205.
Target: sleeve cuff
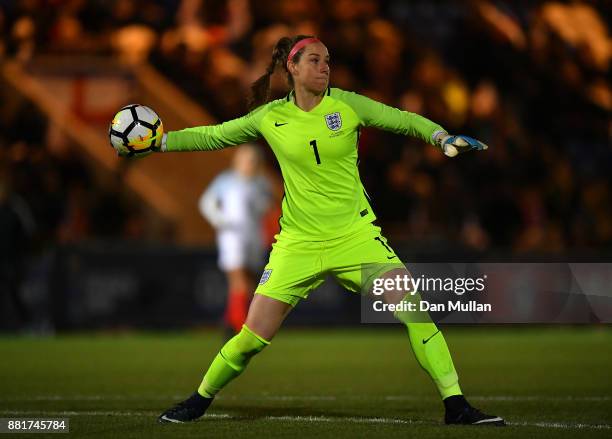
column 437, row 136
column 163, row 142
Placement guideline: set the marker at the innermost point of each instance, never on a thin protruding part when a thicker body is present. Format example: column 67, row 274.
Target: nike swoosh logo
column 425, row 341
column 276, row 124
column 391, row 257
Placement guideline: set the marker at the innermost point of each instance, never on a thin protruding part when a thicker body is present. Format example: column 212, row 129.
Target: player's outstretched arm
column 376, row 114
column 137, row 131
column 213, row 137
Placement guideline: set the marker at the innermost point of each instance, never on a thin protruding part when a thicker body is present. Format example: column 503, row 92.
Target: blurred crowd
column 529, row 78
column 51, row 190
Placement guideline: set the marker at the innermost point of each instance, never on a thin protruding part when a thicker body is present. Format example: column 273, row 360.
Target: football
column 135, row 130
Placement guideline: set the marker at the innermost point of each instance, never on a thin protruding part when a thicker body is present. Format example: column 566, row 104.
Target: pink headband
column 296, row 48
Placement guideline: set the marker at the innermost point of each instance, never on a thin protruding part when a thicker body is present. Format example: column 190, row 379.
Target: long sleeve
column 213, row 137
column 375, row 114
column 209, row 204
column 263, row 195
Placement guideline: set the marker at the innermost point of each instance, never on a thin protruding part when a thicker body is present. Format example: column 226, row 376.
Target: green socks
column 430, row 349
column 427, row 343
column 231, row 361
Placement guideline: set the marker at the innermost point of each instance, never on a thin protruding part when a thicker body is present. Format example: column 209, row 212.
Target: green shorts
column 297, row 267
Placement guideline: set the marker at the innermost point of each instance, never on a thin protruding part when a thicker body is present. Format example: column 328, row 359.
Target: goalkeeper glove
column 453, row 145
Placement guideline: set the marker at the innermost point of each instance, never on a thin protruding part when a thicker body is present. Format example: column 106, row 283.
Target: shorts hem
column 289, row 300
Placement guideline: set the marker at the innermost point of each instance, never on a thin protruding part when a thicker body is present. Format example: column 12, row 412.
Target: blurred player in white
column 235, row 204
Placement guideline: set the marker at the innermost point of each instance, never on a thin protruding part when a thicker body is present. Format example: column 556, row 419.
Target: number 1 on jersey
column 313, row 143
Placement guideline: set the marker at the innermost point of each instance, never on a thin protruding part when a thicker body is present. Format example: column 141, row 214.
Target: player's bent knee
column 239, row 350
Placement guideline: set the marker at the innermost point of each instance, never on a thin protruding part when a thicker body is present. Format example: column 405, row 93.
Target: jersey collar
column 292, row 93
column 291, row 98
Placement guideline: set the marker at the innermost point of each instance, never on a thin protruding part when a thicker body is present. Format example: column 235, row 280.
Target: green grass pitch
column 364, row 382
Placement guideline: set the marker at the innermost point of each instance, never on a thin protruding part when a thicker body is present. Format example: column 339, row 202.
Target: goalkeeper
column 327, row 222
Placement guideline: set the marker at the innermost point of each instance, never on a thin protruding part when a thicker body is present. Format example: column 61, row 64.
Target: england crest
column 265, row 276
column 333, row 121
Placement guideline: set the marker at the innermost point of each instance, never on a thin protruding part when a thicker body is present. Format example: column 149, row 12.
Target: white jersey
column 235, row 206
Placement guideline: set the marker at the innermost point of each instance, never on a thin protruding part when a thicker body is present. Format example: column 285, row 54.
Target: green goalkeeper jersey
column 317, row 153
